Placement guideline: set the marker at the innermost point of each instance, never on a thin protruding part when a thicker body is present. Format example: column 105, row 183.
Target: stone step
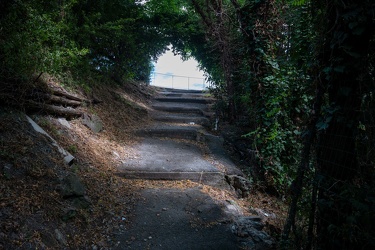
column 207, row 178
column 173, row 94
column 181, row 118
column 183, row 91
column 179, row 109
column 174, row 132
column 194, row 133
column 184, row 100
column 159, row 159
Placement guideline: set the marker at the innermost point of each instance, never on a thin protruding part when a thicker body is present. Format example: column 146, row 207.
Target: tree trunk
column 48, row 98
column 218, row 30
column 54, row 110
column 64, row 93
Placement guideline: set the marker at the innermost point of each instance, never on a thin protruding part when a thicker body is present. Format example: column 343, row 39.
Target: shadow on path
column 178, row 219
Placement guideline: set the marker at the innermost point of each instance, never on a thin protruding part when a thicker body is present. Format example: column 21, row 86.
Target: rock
column 93, row 122
column 48, row 239
column 68, row 158
column 64, row 122
column 240, row 184
column 81, row 202
column 8, row 171
column 263, row 214
column 250, row 228
column 201, row 137
column 72, row 187
column 244, row 226
column 116, row 154
column 60, row 237
column 70, row 214
column 232, row 208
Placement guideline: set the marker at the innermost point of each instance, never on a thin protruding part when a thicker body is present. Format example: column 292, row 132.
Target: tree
column 215, row 16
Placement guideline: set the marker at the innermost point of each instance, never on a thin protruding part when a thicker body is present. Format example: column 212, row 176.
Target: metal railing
column 178, row 82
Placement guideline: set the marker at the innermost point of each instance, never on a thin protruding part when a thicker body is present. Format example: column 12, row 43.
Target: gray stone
column 249, row 222
column 240, row 184
column 93, row 122
column 48, row 239
column 8, row 171
column 72, row 187
column 81, row 202
column 64, row 122
column 70, row 214
column 250, row 227
column 263, row 214
column 232, row 209
column 60, row 237
column 68, row 158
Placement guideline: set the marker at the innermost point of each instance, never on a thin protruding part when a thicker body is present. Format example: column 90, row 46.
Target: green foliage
column 73, row 149
column 269, row 66
column 298, row 2
column 285, row 102
column 273, row 86
column 33, row 39
column 116, row 38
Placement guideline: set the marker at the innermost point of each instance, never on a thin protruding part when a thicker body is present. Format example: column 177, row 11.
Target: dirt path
column 178, row 147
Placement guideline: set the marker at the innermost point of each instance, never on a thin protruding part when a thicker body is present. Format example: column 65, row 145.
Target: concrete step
column 183, row 91
column 208, row 178
column 194, row 133
column 172, row 94
column 170, row 160
column 184, row 100
column 179, row 109
column 175, row 132
column 180, row 118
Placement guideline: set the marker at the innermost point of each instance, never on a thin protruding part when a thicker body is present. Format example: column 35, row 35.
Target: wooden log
column 61, row 100
column 57, row 90
column 54, row 110
column 61, row 92
column 42, row 97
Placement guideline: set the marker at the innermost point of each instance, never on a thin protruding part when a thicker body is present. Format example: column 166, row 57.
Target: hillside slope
column 47, row 204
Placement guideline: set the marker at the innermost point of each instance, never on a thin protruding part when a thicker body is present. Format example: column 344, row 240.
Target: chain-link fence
column 335, row 188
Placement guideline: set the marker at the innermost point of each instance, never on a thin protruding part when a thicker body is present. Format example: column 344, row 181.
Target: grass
column 72, row 149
